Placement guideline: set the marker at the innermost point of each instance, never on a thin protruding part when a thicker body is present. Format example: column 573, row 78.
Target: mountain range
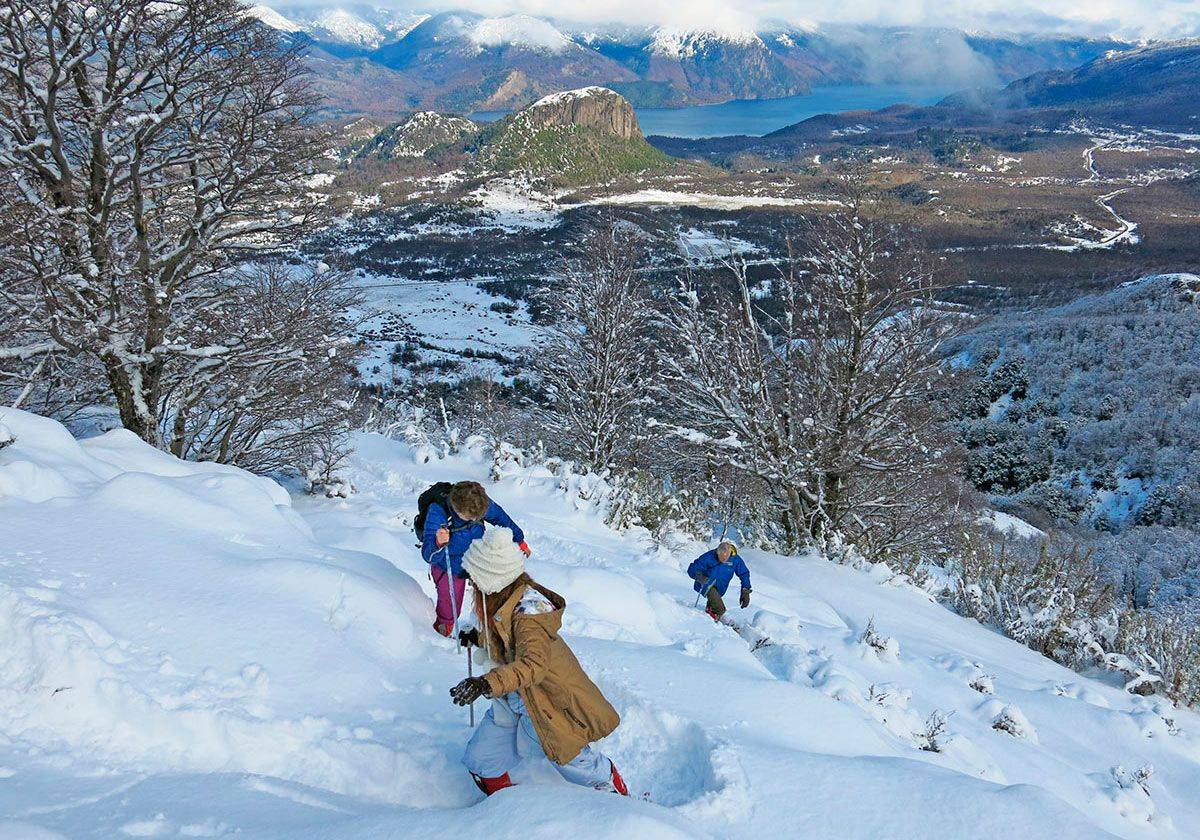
column 380, row 61
column 1152, row 86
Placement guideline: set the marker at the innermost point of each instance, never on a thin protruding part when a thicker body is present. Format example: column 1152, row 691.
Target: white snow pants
column 505, row 737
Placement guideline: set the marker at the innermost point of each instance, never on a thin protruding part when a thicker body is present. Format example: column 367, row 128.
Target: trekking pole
column 471, row 673
column 703, row 593
column 454, row 609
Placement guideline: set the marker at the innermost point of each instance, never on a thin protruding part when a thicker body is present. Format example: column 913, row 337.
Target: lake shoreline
column 759, row 117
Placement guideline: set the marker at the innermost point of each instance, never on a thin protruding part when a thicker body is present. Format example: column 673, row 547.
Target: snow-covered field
column 450, row 317
column 187, row 651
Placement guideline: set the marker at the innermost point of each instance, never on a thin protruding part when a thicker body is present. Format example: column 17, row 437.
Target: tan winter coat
column 566, row 708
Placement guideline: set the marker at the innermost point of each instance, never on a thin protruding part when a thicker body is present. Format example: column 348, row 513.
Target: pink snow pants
column 445, row 611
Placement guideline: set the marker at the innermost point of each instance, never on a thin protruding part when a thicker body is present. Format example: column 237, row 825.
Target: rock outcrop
column 579, row 136
column 596, row 108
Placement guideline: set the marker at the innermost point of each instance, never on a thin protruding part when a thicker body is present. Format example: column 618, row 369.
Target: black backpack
column 435, row 494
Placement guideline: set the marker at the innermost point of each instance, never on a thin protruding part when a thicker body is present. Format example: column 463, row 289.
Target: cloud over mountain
column 1126, row 18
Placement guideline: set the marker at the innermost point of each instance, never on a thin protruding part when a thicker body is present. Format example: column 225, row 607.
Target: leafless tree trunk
column 141, row 144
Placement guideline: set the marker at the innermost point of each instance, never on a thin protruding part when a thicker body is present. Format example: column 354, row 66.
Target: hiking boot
column 492, row 784
column 615, row 784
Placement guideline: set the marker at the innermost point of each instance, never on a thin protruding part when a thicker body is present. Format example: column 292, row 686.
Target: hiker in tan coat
column 542, row 701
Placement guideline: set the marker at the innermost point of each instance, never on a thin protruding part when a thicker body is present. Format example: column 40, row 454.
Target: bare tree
column 595, row 363
column 278, row 392
column 141, row 145
column 821, row 390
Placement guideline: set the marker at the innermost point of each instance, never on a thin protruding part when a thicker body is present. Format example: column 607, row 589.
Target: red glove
column 524, row 546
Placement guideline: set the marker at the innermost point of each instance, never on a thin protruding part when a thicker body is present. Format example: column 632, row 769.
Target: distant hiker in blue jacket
column 713, row 570
column 452, row 521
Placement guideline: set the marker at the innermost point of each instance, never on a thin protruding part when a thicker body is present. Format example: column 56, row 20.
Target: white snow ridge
column 187, row 651
column 519, row 31
column 273, row 19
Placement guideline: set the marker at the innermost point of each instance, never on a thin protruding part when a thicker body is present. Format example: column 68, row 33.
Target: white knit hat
column 494, row 561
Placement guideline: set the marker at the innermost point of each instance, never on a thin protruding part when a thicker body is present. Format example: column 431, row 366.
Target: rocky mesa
column 595, row 108
column 573, row 137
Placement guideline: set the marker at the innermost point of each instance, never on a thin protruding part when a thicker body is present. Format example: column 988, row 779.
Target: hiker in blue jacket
column 713, row 570
column 452, row 523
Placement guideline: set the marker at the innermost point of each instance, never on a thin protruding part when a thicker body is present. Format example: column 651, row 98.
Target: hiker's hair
column 469, row 499
column 492, row 603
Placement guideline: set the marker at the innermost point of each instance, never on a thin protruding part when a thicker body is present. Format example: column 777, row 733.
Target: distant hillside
column 356, row 85
column 578, row 136
column 417, row 135
column 1090, row 412
column 465, row 62
column 687, row 67
column 1157, row 85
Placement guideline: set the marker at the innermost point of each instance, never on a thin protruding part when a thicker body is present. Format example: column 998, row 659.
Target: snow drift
column 184, row 650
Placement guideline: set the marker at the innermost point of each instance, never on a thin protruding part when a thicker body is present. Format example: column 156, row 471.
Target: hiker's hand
column 470, row 638
column 701, row 579
column 442, row 537
column 469, row 690
column 524, row 546
column 745, row 599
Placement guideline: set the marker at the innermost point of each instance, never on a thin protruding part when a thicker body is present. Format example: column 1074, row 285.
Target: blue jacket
column 462, row 533
column 719, row 574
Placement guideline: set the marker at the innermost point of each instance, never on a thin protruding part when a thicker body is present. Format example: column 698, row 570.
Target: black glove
column 745, row 599
column 468, row 638
column 469, row 690
column 701, row 579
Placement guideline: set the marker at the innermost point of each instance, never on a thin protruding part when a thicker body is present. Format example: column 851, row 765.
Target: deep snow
column 185, row 651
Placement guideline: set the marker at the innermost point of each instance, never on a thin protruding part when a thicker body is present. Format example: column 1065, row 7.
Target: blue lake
column 762, row 116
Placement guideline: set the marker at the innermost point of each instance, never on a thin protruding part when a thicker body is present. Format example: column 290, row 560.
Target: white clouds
column 1128, row 18
column 519, row 30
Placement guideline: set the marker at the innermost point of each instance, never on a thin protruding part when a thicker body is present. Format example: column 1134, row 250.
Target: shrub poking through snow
column 1161, row 654
column 885, row 646
column 1014, row 722
column 935, row 737
column 1058, row 602
column 983, row 684
column 7, row 438
column 326, row 474
column 1129, row 780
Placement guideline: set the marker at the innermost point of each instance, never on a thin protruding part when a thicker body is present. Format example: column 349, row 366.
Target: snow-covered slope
column 345, row 26
column 683, row 43
column 186, row 651
column 273, row 19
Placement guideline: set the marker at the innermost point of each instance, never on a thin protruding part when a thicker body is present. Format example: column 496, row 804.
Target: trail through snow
column 185, row 651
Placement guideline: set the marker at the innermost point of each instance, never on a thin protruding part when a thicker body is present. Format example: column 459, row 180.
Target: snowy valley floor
column 185, row 651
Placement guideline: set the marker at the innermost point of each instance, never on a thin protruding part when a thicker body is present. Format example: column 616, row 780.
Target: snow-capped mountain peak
column 343, row 25
column 401, row 23
column 518, row 31
column 685, row 43
column 273, row 19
